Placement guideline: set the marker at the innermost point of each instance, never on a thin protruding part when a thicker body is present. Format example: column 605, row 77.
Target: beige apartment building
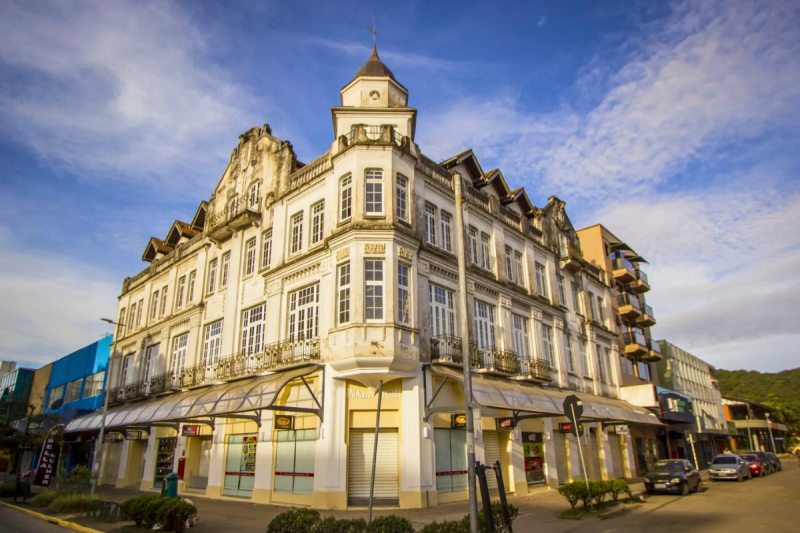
column 254, row 344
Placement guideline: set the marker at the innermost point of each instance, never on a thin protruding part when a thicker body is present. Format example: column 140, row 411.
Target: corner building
column 254, row 344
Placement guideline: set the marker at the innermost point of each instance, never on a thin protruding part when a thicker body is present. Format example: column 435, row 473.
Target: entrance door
column 200, row 481
column 165, row 459
column 491, row 454
column 240, row 465
column 616, row 455
column 359, row 471
column 113, row 455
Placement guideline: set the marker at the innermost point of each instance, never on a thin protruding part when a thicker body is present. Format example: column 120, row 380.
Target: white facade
column 347, row 267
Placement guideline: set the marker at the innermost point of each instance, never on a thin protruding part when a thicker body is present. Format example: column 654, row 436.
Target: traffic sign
column 573, row 407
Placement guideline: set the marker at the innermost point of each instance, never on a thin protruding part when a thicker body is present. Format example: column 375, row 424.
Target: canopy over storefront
column 534, row 401
column 227, row 400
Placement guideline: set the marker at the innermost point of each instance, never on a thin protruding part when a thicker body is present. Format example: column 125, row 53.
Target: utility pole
column 771, row 437
column 97, row 468
column 466, row 356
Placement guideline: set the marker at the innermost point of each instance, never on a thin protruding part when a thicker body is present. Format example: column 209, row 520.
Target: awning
column 526, row 400
column 253, row 394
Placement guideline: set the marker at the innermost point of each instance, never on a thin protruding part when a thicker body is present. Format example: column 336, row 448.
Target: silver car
column 729, row 467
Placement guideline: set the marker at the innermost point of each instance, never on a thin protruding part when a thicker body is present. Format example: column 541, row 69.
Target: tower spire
column 374, row 31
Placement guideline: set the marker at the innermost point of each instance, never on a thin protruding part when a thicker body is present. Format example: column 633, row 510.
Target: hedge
column 76, row 503
column 45, row 498
column 151, row 509
column 172, row 514
column 576, row 491
column 134, row 508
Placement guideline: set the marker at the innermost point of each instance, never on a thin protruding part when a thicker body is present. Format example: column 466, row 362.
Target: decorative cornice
column 374, row 249
column 443, row 272
column 479, row 287
column 301, row 274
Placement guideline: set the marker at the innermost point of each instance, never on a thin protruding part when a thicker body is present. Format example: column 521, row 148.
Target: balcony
column 568, row 257
column 536, row 370
column 647, row 319
column 634, row 343
column 241, row 213
column 447, row 350
column 653, row 354
column 640, row 284
column 628, row 306
column 496, row 361
column 623, row 270
column 383, row 135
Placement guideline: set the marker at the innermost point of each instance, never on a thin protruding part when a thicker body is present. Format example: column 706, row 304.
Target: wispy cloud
column 542, row 21
column 116, row 89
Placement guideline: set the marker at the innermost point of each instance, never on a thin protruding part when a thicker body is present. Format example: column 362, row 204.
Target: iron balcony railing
column 626, row 299
column 247, row 202
column 449, row 349
column 496, row 360
column 634, row 337
column 536, row 368
column 384, row 134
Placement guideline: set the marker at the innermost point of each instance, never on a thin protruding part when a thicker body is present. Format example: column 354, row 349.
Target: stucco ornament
column 560, row 216
column 374, row 248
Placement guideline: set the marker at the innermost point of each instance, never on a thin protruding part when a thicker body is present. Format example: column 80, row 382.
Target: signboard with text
column 190, row 431
column 569, row 427
column 46, row 470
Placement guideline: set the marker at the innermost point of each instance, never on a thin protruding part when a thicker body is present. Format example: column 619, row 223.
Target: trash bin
column 171, row 484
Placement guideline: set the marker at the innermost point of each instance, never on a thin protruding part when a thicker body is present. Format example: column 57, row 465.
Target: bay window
column 373, row 289
column 373, row 192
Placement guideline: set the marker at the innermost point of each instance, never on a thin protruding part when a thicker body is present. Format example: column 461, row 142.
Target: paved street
column 17, row 522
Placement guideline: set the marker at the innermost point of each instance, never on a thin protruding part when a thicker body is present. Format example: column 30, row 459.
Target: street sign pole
column 576, row 432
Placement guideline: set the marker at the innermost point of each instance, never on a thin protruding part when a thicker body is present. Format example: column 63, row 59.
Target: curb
column 53, row 520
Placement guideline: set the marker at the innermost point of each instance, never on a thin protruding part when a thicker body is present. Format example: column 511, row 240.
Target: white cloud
column 116, row 88
column 542, row 21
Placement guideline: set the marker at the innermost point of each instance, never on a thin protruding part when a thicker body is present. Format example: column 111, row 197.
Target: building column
column 550, row 468
column 149, row 472
column 516, row 457
column 330, row 464
column 216, row 467
column 262, row 484
column 123, row 462
column 628, row 457
column 417, row 480
column 604, row 446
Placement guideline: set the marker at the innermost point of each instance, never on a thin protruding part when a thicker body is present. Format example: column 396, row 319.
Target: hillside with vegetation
column 780, row 391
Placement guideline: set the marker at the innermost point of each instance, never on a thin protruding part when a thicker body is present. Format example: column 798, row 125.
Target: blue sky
column 675, row 125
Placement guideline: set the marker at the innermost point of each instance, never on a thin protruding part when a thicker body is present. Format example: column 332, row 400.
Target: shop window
column 294, row 461
column 451, row 459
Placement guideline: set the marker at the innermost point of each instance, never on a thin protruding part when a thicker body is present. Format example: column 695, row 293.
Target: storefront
column 240, row 465
column 533, row 451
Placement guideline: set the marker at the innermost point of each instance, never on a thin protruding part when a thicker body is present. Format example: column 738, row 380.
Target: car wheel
column 685, row 488
column 699, row 487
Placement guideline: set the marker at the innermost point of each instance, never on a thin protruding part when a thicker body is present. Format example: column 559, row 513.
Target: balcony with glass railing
column 634, row 343
column 653, row 352
column 623, row 270
column 647, row 317
column 628, row 306
column 641, row 284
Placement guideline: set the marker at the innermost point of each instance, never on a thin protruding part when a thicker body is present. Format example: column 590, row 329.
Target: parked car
column 673, row 475
column 762, row 456
column 729, row 467
column 757, row 467
column 776, row 463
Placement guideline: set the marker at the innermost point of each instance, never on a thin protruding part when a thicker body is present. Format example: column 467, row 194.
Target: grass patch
column 574, row 514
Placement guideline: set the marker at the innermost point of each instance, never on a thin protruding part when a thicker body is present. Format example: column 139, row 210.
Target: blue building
column 78, row 380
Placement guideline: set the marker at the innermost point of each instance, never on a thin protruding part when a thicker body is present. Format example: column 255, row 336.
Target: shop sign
column 622, row 430
column 536, row 438
column 134, row 434
column 284, row 422
column 45, row 471
column 112, row 437
column 505, row 424
column 567, row 427
column 190, row 431
column 458, row 421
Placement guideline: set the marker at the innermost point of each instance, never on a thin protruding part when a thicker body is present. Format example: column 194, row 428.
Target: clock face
column 374, row 95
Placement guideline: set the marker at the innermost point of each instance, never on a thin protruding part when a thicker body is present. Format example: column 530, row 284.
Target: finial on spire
column 374, row 31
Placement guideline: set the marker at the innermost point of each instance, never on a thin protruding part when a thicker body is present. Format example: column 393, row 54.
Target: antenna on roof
column 373, row 30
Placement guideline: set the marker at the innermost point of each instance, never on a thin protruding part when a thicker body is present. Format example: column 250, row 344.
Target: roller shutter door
column 616, row 455
column 560, row 445
column 113, row 454
column 595, row 472
column 359, row 471
column 491, row 454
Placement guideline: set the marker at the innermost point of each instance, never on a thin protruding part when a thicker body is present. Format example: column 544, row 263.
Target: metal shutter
column 560, row 444
column 616, row 455
column 359, row 470
column 491, row 454
column 595, row 472
column 200, row 481
column 113, row 454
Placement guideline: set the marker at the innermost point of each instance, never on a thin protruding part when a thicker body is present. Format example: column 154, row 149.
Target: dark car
column 673, row 475
column 770, row 466
column 776, row 463
column 729, row 467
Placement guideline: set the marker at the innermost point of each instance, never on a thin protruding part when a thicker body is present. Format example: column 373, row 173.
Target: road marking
column 57, row 521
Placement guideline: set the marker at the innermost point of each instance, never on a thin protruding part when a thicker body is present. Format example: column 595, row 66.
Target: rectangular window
column 568, row 354
column 547, row 339
column 139, row 312
column 225, row 270
column 373, row 289
column 402, row 198
column 344, row 293
column 250, row 257
column 601, row 371
column 179, row 348
column 521, row 339
column 403, row 294
column 562, row 298
column 125, row 374
column 541, row 279
column 296, row 240
column 447, row 241
column 584, row 359
column 164, row 301
column 179, row 292
column 443, row 316
column 473, row 246
column 190, row 288
column 430, row 225
column 484, row 325
column 601, row 312
column 510, row 265
column 520, row 269
column 451, row 459
column 56, row 393
column 373, row 189
column 266, row 248
column 345, row 198
column 304, row 313
column 73, row 392
column 94, row 384
column 294, row 461
column 150, row 363
column 132, row 317
column 253, row 329
column 486, row 251
column 212, row 343
column 121, row 320
column 576, row 297
column 212, row 276
column 317, row 222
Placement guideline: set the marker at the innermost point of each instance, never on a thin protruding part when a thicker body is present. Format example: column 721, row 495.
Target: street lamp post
column 771, row 437
column 101, row 449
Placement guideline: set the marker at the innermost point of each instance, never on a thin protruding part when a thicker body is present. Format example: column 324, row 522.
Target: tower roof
column 374, row 66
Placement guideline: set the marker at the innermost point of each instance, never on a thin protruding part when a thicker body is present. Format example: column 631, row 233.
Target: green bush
column 172, row 514
column 295, row 521
column 134, row 508
column 6, row 490
column 150, row 510
column 599, row 489
column 76, row 503
column 335, row 525
column 448, row 526
column 497, row 516
column 45, row 498
column 76, row 481
column 574, row 492
column 391, row 524
column 617, row 487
